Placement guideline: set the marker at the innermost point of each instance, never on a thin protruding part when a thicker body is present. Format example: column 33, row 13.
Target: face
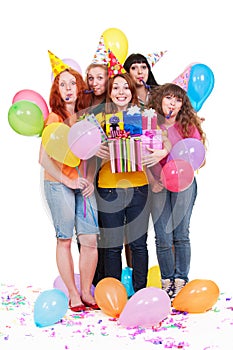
column 171, row 106
column 67, row 87
column 139, row 72
column 97, row 80
column 121, row 94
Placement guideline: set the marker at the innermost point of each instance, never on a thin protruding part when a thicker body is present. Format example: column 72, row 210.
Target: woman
column 123, row 197
column 171, row 211
column 65, row 189
column 97, row 81
column 139, row 69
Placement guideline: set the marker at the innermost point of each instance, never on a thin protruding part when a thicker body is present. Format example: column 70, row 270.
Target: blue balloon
column 126, row 280
column 50, row 307
column 200, row 85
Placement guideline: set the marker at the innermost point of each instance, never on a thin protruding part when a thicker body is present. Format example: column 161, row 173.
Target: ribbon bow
column 123, row 134
column 149, row 133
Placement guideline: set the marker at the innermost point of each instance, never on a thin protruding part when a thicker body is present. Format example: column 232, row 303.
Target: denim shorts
column 71, row 212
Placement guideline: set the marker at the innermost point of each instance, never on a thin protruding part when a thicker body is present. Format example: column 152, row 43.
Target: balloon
column 55, row 142
column 146, row 308
column 201, row 83
column 117, row 42
column 32, row 96
column 190, row 149
column 50, row 306
column 59, row 284
column 197, row 296
column 26, row 118
column 72, row 63
column 126, row 280
column 111, row 296
column 84, row 139
column 154, row 277
column 177, row 175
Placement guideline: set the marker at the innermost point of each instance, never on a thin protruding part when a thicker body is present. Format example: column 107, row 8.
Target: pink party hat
column 183, row 79
column 114, row 66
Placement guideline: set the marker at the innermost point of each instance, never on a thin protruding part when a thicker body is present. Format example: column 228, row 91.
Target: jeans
column 124, row 216
column 171, row 214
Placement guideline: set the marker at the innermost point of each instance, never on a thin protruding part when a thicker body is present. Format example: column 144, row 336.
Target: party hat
column 57, row 64
column 155, row 57
column 183, row 79
column 114, row 66
column 101, row 56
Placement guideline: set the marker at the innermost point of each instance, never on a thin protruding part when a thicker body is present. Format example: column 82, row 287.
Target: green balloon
column 26, row 118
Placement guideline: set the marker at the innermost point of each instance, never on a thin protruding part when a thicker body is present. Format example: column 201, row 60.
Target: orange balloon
column 197, row 296
column 111, row 296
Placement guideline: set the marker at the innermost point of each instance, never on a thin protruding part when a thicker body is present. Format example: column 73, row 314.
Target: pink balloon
column 59, row 284
column 177, row 175
column 84, row 139
column 146, row 308
column 72, row 63
column 32, row 96
column 190, row 149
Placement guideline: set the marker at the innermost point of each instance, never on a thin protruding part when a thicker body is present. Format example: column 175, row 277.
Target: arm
column 157, row 154
column 51, row 167
column 155, row 184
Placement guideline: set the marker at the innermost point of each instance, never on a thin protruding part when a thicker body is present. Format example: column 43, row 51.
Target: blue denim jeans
column 171, row 214
column 124, row 216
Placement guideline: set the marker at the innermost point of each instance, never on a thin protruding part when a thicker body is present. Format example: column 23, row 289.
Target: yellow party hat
column 57, row 64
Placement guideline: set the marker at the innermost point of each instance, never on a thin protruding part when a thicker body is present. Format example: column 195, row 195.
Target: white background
column 190, row 31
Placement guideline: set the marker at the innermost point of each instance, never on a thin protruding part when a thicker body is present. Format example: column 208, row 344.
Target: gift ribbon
column 123, row 134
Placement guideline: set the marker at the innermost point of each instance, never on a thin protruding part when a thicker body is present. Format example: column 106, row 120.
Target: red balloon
column 177, row 175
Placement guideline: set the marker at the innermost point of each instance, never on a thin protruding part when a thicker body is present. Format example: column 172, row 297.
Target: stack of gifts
column 129, row 133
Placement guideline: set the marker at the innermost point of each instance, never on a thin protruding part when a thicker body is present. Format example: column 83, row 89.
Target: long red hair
column 58, row 105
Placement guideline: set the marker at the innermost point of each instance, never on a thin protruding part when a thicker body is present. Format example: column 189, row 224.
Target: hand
column 88, row 190
column 79, row 182
column 155, row 157
column 103, row 151
column 156, row 186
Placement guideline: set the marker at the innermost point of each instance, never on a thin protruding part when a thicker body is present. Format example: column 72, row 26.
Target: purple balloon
column 84, row 139
column 59, row 284
column 191, row 150
column 146, row 308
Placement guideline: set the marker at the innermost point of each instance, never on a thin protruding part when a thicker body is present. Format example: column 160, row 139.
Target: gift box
column 152, row 139
column 149, row 119
column 125, row 154
column 133, row 121
column 114, row 124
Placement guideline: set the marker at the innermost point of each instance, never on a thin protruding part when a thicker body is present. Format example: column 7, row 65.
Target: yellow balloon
column 55, row 142
column 117, row 42
column 154, row 277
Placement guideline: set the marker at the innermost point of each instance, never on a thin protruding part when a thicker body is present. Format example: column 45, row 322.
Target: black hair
column 139, row 58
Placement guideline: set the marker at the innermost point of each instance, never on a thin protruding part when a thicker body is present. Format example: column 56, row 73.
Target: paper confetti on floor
column 94, row 329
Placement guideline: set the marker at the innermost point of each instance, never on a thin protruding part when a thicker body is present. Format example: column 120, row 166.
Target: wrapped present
column 92, row 119
column 114, row 124
column 125, row 154
column 152, row 139
column 133, row 121
column 149, row 119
